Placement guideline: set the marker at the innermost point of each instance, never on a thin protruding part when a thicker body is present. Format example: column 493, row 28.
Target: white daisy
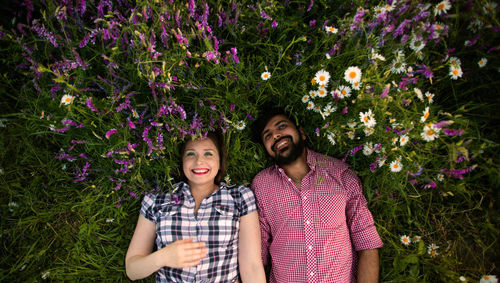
column 489, row 8
column 322, row 77
column 322, row 92
column 329, row 109
column 429, row 97
column 351, row 135
column 432, row 250
column 351, row 124
column 426, row 115
column 454, row 61
column 368, row 148
column 67, row 99
column 396, row 166
column 344, row 91
column 374, row 55
column 240, row 125
column 310, row 105
column 419, row 94
column 356, row 85
column 367, row 118
column 430, row 132
column 417, row 43
column 455, row 72
column 313, row 94
column 482, row 62
column 331, row 138
column 488, row 279
column 416, row 239
column 265, row 76
column 398, row 66
column 405, row 240
column 403, row 140
column 352, row 74
column 442, row 7
column 330, row 29
column 305, row 98
column 368, row 131
column 440, row 177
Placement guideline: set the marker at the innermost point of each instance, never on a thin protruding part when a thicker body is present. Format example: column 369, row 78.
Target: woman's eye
column 208, row 154
column 189, row 153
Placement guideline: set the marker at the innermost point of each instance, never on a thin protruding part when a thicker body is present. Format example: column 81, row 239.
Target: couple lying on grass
column 305, row 216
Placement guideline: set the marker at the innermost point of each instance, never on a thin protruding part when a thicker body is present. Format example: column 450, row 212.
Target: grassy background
column 76, row 232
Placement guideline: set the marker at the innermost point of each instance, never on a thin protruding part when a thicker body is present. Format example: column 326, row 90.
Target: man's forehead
column 275, row 121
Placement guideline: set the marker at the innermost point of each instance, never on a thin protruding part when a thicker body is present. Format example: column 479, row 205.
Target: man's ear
column 302, row 133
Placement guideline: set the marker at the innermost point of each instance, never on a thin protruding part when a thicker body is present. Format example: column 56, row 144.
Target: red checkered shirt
column 312, row 233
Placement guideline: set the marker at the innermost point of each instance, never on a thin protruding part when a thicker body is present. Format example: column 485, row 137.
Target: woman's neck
column 200, row 192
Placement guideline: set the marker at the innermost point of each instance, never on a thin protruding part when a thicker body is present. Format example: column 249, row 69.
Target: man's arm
column 368, row 266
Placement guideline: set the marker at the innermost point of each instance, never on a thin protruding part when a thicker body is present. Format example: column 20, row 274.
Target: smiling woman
column 203, row 229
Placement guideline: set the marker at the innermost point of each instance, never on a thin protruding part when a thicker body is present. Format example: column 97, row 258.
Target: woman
column 205, row 230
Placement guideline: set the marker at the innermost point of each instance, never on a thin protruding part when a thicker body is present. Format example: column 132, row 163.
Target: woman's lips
column 200, row 171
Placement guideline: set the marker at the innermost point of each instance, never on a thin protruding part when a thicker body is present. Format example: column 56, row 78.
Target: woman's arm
column 140, row 262
column 249, row 256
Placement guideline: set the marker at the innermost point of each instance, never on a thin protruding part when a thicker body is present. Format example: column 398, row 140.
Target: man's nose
column 277, row 136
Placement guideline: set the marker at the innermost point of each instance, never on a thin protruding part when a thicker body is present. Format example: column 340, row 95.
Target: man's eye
column 282, row 126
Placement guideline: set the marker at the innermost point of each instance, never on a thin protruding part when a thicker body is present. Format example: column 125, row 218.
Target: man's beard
column 295, row 151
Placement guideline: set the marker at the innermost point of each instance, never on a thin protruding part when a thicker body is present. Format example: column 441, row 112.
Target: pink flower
column 110, row 132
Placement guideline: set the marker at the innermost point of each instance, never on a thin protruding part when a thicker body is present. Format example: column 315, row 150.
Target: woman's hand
column 182, row 253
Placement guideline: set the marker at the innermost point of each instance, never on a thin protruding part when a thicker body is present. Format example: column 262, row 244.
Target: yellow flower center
column 440, row 6
column 430, row 132
column 343, row 91
column 352, row 75
column 396, row 166
column 455, row 72
column 365, row 118
column 322, row 78
column 426, row 115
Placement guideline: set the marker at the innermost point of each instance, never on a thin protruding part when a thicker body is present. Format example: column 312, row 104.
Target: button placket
column 309, row 239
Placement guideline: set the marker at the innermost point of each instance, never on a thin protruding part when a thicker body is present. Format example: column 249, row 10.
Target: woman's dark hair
column 218, row 139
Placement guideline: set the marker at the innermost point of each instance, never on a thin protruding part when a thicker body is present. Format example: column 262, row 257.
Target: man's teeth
column 281, row 144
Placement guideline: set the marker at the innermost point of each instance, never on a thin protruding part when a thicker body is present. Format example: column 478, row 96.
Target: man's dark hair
column 261, row 122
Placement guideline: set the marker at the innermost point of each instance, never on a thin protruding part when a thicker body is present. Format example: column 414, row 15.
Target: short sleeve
column 247, row 201
column 148, row 207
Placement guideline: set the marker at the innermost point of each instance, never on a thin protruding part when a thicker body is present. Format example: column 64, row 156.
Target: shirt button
column 310, row 247
column 312, row 273
column 289, row 179
column 305, row 197
column 308, row 222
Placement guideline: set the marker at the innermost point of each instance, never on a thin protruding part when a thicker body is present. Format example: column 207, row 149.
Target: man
column 314, row 219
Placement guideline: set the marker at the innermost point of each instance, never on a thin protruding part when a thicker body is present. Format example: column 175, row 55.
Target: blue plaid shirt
column 216, row 224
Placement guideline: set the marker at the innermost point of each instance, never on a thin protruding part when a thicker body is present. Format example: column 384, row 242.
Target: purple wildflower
column 110, row 132
column 453, row 132
column 264, row 15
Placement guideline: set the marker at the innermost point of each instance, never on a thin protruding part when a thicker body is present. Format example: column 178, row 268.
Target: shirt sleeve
column 247, row 201
column 364, row 234
column 148, row 207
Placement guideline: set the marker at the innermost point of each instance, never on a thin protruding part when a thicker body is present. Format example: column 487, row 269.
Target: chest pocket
column 225, row 224
column 169, row 228
column 332, row 210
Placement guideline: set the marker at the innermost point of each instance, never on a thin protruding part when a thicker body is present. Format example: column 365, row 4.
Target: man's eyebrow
column 275, row 125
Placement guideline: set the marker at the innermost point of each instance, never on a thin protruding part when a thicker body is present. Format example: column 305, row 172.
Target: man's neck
column 298, row 169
